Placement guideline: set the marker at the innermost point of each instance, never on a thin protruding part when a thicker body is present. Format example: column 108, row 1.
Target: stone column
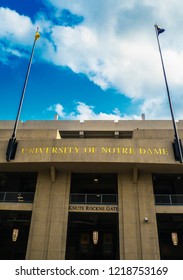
column 59, row 217
column 129, row 229
column 138, row 238
column 149, row 234
column 47, row 237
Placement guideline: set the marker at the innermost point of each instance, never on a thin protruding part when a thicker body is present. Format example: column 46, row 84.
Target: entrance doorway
column 92, row 236
column 170, row 233
column 14, row 232
column 93, row 232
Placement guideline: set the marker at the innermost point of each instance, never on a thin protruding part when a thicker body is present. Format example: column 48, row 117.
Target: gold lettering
column 54, row 150
column 41, row 150
column 92, row 150
column 125, row 150
column 89, row 150
column 47, row 150
column 142, row 151
column 118, row 150
column 105, row 150
column 112, row 150
column 61, row 150
column 31, row 150
column 165, row 151
column 157, row 151
column 76, row 150
column 86, row 150
column 132, row 151
column 149, row 151
column 69, row 150
column 153, row 151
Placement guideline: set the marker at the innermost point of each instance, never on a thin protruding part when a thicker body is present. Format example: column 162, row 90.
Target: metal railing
column 78, row 198
column 169, row 199
column 22, row 197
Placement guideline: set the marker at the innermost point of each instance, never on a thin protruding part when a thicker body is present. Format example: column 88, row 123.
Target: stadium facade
column 91, row 190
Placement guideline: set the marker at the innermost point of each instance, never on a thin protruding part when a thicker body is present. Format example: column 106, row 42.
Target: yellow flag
column 37, row 35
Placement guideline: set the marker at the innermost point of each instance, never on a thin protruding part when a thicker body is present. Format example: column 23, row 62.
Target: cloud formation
column 114, row 46
column 86, row 112
column 15, row 28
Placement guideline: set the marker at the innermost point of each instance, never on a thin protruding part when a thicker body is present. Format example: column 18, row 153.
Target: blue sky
column 95, row 59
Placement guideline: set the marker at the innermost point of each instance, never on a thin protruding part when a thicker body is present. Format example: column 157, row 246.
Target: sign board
column 93, row 208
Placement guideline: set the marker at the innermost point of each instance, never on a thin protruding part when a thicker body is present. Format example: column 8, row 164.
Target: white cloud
column 58, row 108
column 14, row 27
column 115, row 46
column 16, row 33
column 153, row 106
column 86, row 112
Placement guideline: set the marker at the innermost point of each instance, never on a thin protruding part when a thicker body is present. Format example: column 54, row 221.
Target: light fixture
column 146, row 219
column 20, row 198
column 95, row 180
column 174, row 238
column 15, row 234
column 95, row 237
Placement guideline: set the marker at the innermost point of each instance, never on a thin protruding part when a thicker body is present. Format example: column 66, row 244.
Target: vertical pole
column 23, row 91
column 12, row 144
column 177, row 140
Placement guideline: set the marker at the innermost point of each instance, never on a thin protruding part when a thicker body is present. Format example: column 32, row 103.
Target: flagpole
column 12, row 143
column 177, row 143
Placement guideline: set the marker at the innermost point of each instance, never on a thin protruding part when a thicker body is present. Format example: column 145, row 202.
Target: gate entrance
column 93, row 228
column 92, row 236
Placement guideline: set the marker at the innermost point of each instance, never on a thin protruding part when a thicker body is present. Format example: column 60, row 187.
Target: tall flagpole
column 12, row 143
column 177, row 144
